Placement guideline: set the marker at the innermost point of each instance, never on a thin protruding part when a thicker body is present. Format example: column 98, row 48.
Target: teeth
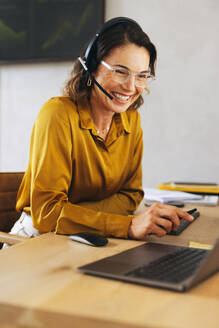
column 121, row 97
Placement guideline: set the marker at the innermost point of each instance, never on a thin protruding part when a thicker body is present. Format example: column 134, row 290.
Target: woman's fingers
column 184, row 215
column 158, row 231
column 159, row 219
column 172, row 213
column 169, row 214
column 165, row 224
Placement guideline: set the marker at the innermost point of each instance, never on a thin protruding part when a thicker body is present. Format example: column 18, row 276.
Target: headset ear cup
column 91, row 59
column 92, row 65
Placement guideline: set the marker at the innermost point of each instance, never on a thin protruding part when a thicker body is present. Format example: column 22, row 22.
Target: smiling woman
column 121, row 83
column 84, row 172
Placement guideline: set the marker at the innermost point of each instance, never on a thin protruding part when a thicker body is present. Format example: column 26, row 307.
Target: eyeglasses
column 122, row 74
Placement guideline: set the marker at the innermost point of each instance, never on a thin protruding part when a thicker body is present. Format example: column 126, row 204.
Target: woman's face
column 131, row 56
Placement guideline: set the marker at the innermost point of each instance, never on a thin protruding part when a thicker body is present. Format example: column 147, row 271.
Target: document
column 209, row 200
column 165, row 196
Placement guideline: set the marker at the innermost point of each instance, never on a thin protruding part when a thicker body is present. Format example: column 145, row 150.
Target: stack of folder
column 166, row 196
column 195, row 188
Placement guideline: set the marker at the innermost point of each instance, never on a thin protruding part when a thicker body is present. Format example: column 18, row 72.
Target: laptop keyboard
column 174, row 267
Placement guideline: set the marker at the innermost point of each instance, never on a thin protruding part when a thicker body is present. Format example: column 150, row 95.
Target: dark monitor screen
column 47, row 29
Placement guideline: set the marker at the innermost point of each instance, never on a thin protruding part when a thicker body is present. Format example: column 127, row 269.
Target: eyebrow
column 125, row 67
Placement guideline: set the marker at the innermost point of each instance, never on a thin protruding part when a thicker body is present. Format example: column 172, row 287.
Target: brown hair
column 76, row 88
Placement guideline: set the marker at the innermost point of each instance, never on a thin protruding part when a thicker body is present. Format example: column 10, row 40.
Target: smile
column 121, row 97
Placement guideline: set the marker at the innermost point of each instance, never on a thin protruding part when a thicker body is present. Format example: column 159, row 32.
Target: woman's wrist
column 130, row 230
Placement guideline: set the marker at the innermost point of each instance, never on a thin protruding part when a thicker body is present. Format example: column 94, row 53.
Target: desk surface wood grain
column 40, row 286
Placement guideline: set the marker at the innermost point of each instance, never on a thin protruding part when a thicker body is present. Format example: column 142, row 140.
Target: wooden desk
column 40, row 287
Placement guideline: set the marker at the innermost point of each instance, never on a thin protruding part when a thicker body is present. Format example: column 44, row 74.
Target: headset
column 90, row 53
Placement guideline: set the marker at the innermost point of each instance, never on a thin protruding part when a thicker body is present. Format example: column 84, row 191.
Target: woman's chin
column 120, row 106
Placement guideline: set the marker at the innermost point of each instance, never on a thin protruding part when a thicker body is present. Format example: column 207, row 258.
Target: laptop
column 166, row 266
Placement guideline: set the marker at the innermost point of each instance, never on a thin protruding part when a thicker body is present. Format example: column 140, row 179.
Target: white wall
column 180, row 117
column 23, row 90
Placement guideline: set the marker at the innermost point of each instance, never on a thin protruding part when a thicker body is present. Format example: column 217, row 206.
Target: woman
column 84, row 172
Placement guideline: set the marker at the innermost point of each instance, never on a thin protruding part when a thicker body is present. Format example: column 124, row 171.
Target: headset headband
column 112, row 22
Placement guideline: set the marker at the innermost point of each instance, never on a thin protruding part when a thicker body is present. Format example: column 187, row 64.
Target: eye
column 120, row 71
column 142, row 76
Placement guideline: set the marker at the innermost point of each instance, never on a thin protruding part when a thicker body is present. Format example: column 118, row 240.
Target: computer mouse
column 89, row 239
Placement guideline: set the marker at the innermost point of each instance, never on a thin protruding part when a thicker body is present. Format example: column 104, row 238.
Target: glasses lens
column 141, row 80
column 120, row 75
column 150, row 79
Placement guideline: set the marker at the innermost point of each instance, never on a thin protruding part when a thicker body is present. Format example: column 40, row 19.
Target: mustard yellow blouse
column 76, row 181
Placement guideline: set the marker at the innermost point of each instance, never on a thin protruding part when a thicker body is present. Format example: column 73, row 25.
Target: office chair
column 9, row 184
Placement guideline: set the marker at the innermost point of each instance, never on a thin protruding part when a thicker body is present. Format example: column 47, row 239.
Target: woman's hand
column 158, row 219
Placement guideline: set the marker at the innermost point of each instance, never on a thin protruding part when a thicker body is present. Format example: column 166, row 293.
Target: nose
column 130, row 83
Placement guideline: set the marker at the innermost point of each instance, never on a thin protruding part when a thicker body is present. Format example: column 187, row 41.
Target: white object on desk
column 210, row 200
column 164, row 196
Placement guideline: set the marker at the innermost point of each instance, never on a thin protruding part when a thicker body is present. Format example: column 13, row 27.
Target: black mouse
column 89, row 239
